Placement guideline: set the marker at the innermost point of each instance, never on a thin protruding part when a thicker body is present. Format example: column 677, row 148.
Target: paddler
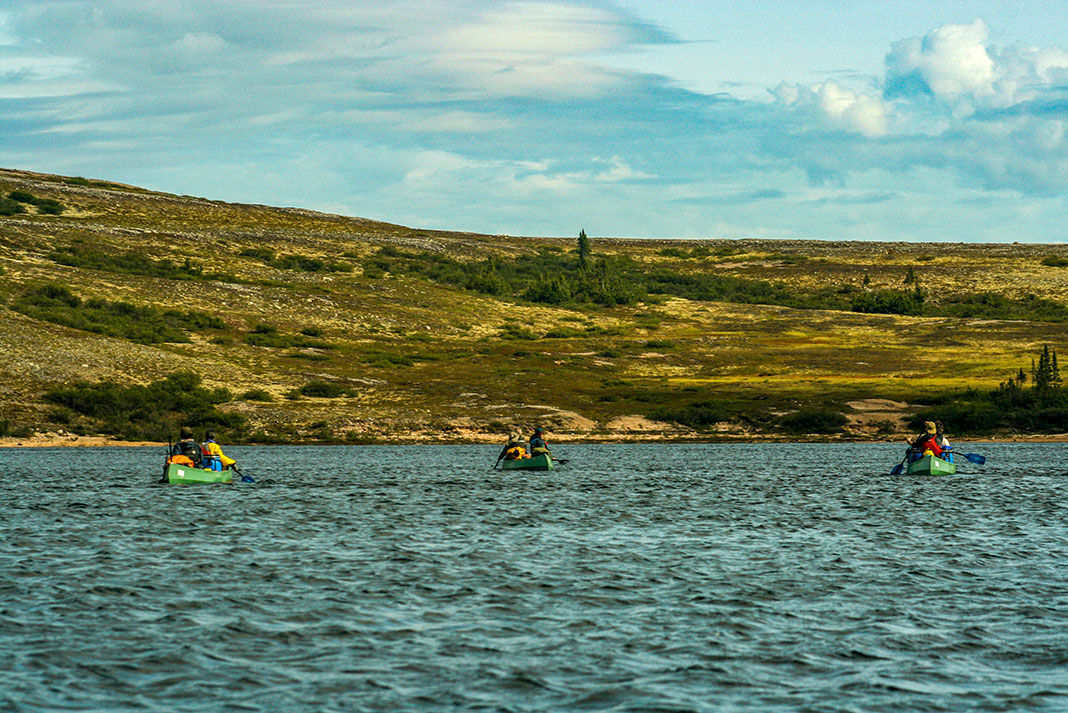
column 513, row 449
column 927, row 442
column 213, row 455
column 187, row 448
column 538, row 446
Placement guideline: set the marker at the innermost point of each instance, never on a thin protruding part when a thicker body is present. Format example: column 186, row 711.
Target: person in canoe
column 926, row 442
column 947, row 449
column 214, row 458
column 184, row 452
column 538, row 446
column 513, row 449
column 187, row 451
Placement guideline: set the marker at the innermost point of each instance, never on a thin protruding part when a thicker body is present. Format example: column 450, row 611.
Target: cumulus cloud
column 958, row 67
column 853, row 111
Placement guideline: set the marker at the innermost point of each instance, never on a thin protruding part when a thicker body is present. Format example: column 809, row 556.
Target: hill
column 287, row 325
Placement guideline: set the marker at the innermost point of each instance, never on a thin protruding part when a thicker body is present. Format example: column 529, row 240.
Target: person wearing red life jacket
column 927, row 441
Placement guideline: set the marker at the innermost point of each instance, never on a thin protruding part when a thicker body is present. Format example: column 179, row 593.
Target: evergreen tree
column 583, row 249
column 1047, row 375
column 910, row 278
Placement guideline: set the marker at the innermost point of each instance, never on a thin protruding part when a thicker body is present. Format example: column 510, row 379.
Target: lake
column 776, row 577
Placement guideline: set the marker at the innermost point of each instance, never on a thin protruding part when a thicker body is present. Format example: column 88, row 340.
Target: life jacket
column 929, row 446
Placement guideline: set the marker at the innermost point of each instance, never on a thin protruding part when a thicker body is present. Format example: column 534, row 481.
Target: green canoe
column 539, row 462
column 931, row 465
column 188, row 474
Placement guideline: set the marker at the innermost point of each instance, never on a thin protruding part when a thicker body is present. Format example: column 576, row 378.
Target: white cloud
column 542, row 30
column 958, row 66
column 858, row 113
column 952, row 61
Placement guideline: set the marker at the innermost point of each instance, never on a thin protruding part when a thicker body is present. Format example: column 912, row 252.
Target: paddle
column 244, row 478
column 975, row 458
column 166, row 461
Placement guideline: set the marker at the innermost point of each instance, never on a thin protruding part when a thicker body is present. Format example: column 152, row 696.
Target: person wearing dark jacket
column 538, row 446
column 187, row 446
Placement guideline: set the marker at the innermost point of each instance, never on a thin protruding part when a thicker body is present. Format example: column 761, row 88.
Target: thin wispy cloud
column 516, row 117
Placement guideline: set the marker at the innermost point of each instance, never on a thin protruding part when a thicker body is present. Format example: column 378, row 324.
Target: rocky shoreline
column 52, row 440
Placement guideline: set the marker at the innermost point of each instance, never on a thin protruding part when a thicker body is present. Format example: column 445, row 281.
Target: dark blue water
column 635, row 578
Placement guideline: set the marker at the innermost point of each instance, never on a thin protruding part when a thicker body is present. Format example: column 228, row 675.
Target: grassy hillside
column 310, row 327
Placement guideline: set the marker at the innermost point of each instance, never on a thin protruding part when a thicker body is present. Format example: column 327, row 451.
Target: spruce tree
column 583, row 249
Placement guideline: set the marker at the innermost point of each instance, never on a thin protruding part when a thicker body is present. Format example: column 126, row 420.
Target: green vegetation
column 699, row 415
column 990, row 305
column 323, row 390
column 45, row 206
column 10, row 207
column 559, row 279
column 889, row 302
column 303, row 263
column 133, row 262
column 267, row 335
column 257, row 395
column 1055, row 261
column 299, row 263
column 145, row 325
column 1041, row 407
column 820, row 421
column 152, row 412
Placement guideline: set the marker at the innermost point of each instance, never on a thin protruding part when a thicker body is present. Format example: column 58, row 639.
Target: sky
column 812, row 119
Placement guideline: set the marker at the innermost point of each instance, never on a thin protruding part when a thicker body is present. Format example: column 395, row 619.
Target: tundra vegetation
column 128, row 312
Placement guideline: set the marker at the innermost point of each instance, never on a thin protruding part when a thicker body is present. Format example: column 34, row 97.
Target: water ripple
column 782, row 577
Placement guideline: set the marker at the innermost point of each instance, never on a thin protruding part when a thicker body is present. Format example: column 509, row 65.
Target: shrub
column 303, row 263
column 888, row 302
column 814, row 421
column 322, row 389
column 264, row 254
column 1055, row 261
column 10, row 207
column 266, row 335
column 50, row 207
column 45, row 206
column 133, row 263
column 563, row 333
column 22, row 197
column 152, row 412
column 990, row 305
column 700, row 414
column 145, row 325
column 257, row 395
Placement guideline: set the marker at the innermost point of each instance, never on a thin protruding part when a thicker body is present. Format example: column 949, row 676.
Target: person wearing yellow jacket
column 213, row 454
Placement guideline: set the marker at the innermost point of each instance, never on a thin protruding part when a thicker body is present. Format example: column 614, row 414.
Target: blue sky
column 858, row 120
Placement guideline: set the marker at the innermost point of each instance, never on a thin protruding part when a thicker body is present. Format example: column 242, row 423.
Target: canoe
column 931, row 465
column 538, row 462
column 188, row 474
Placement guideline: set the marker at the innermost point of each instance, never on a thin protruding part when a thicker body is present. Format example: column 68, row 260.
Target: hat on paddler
column 930, row 427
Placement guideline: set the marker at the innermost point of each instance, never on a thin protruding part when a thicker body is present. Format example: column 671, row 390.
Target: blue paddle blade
column 975, row 458
column 898, row 469
column 247, row 479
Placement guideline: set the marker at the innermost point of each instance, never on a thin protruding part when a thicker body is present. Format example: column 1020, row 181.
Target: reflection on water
column 635, row 578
